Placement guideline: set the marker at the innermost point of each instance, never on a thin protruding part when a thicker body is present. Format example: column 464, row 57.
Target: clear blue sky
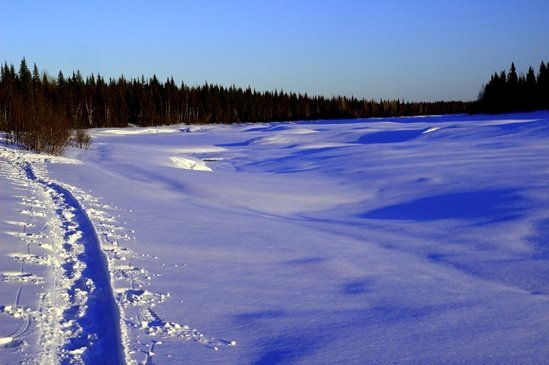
column 410, row 49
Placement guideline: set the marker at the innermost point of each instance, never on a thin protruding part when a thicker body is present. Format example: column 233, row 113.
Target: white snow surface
column 375, row 241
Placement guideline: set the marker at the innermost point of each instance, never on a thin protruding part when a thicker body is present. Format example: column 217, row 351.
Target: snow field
column 399, row 240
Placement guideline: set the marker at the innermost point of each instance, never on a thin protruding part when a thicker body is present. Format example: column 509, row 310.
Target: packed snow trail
column 92, row 297
column 80, row 318
column 101, row 318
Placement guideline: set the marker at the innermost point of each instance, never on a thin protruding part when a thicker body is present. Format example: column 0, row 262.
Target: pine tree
column 36, row 81
column 530, row 90
column 512, row 78
column 543, row 86
column 60, row 79
column 25, row 79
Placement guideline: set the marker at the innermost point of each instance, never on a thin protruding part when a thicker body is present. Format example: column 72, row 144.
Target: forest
column 513, row 92
column 43, row 112
column 96, row 102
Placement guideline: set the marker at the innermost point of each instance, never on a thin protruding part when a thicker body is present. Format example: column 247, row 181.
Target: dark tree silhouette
column 512, row 92
column 29, row 99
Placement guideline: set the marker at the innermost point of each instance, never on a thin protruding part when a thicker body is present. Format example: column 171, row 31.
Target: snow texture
column 375, row 241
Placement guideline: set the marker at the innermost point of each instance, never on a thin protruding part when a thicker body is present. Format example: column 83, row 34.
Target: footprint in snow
column 21, row 277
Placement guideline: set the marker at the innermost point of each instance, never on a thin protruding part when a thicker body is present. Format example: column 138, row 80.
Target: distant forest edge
column 34, row 105
column 95, row 102
column 511, row 92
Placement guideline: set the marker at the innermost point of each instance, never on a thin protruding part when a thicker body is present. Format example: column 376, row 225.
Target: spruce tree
column 531, row 90
column 543, row 85
column 25, row 79
column 60, row 79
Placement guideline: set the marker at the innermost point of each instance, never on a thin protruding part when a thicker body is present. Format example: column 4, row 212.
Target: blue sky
column 397, row 49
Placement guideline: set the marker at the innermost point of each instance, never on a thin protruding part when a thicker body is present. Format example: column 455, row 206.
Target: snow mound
column 189, row 163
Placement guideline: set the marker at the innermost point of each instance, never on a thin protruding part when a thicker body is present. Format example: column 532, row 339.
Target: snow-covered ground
column 400, row 240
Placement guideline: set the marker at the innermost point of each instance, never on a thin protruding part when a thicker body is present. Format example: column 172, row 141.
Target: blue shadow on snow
column 390, row 136
column 495, row 205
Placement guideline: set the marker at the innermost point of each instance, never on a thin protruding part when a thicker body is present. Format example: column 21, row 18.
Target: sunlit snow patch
column 195, row 129
column 27, row 258
column 430, row 130
column 5, row 340
column 21, row 277
column 293, row 130
column 189, row 163
column 10, row 342
column 199, row 149
column 137, row 131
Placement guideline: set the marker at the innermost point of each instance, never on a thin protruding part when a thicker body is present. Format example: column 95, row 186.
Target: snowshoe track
column 93, row 297
column 79, row 316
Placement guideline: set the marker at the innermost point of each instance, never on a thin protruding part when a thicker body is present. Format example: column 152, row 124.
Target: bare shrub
column 41, row 128
column 81, row 139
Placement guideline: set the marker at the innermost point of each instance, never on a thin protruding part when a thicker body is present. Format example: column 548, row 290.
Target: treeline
column 32, row 116
column 95, row 102
column 510, row 92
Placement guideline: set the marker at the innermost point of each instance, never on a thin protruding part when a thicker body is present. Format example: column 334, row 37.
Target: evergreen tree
column 25, row 79
column 512, row 77
column 543, row 86
column 530, row 90
column 36, row 80
column 511, row 93
column 60, row 79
